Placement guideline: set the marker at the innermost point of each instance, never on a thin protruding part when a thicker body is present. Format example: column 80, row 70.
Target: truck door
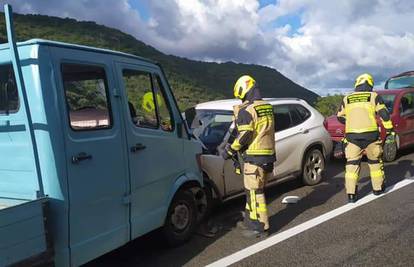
column 96, row 163
column 155, row 150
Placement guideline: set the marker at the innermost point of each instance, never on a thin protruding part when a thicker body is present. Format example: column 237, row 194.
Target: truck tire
column 181, row 219
column 313, row 167
column 390, row 152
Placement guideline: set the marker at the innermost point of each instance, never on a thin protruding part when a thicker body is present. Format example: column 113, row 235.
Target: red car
column 400, row 103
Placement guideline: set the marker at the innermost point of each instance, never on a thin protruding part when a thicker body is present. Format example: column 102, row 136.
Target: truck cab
column 110, row 158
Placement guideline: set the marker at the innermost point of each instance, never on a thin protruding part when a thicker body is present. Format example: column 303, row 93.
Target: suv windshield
column 388, row 101
column 400, row 82
column 210, row 126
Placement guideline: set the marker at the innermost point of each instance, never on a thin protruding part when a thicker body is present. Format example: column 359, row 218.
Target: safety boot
column 379, row 192
column 248, row 233
column 352, row 198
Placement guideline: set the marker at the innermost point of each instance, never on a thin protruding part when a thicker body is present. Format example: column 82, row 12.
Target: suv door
column 406, row 122
column 96, row 163
column 290, row 132
column 154, row 147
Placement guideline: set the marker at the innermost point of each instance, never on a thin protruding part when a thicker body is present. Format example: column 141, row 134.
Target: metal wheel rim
column 180, row 218
column 314, row 166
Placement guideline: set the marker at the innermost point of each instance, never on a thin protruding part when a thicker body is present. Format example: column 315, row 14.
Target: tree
column 329, row 105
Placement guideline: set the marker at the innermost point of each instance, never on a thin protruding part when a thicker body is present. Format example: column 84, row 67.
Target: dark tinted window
column 9, row 99
column 303, row 112
column 407, row 104
column 86, row 94
column 282, row 117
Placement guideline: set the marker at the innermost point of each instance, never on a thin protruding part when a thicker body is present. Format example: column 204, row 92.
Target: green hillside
column 192, row 81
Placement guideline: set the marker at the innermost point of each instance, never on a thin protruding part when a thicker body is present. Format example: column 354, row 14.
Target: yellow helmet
column 148, row 102
column 243, row 85
column 361, row 79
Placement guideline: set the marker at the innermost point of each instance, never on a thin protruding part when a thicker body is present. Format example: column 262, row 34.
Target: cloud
column 336, row 40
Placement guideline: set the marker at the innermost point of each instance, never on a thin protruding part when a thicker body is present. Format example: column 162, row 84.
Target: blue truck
column 93, row 153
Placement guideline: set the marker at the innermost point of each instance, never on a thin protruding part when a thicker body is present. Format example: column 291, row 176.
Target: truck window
column 142, row 107
column 164, row 109
column 86, row 92
column 9, row 99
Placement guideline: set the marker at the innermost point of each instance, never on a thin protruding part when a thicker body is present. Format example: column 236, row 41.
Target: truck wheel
column 390, row 152
column 181, row 218
column 313, row 167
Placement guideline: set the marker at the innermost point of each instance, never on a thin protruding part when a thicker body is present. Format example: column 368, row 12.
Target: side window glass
column 303, row 112
column 282, row 118
column 296, row 118
column 407, row 104
column 164, row 109
column 86, row 94
column 9, row 99
column 141, row 102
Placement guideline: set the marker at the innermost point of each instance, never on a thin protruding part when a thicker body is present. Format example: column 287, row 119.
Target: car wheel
column 212, row 201
column 181, row 218
column 313, row 167
column 390, row 152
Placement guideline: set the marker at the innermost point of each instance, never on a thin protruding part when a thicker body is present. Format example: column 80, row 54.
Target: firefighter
column 358, row 112
column 255, row 143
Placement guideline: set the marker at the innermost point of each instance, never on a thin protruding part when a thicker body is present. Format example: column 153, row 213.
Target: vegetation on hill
column 192, row 81
column 329, row 105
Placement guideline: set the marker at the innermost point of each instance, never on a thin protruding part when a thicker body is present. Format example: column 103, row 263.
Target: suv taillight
column 325, row 124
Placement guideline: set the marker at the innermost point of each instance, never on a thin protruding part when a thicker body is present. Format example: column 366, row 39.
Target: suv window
column 86, row 92
column 287, row 116
column 303, row 112
column 9, row 99
column 282, row 117
column 407, row 104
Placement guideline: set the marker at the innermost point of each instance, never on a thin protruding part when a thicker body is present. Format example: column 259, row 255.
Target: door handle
column 81, row 157
column 137, row 147
column 306, row 131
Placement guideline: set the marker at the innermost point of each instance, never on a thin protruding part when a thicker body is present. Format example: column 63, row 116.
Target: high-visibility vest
column 262, row 126
column 360, row 111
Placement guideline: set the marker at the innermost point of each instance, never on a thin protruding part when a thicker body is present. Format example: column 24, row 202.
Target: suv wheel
column 181, row 218
column 313, row 167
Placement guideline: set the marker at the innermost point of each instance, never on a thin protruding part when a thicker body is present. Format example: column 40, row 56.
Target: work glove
column 228, row 152
column 390, row 138
column 237, row 167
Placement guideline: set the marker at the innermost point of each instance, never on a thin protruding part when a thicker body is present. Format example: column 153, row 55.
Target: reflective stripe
column 245, row 128
column 236, row 145
column 351, row 175
column 253, row 211
column 262, row 207
column 247, row 206
column 260, row 152
column 377, row 174
column 363, row 130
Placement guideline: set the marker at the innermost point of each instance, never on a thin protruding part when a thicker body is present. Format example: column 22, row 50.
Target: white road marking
column 275, row 239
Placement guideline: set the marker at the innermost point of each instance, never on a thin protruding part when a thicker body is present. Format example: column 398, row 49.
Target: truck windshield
column 212, row 125
column 400, row 82
column 388, row 101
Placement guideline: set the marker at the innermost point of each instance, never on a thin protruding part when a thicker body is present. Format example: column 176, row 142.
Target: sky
column 320, row 44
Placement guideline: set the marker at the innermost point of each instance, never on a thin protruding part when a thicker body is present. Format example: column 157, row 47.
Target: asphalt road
column 379, row 233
